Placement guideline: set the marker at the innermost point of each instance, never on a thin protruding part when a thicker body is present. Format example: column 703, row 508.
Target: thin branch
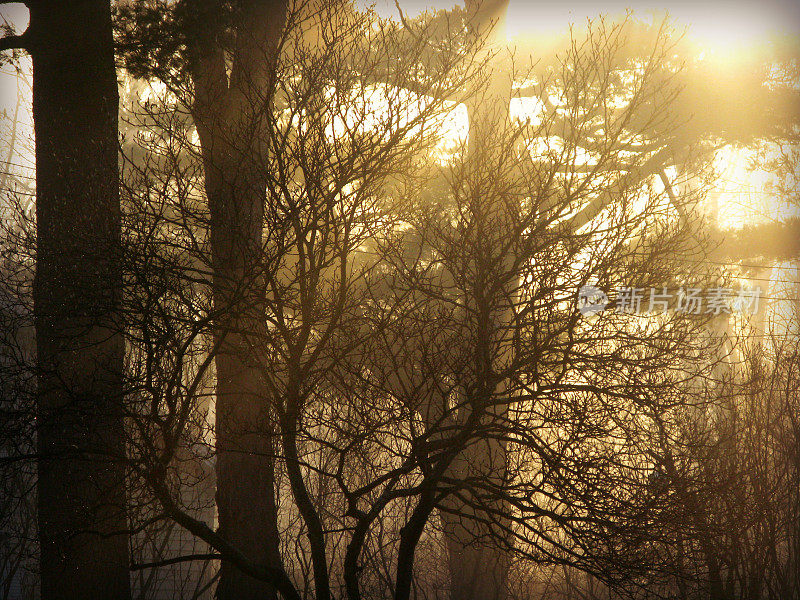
column 176, row 560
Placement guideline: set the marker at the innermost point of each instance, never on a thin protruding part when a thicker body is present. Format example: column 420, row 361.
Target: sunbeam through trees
column 318, row 299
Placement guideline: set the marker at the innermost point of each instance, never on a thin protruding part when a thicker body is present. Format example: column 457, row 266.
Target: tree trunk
column 230, row 112
column 81, row 496
column 245, row 463
column 245, row 455
column 478, row 563
column 477, row 559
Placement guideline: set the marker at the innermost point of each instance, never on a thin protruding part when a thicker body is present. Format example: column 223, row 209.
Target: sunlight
column 399, row 298
column 719, row 28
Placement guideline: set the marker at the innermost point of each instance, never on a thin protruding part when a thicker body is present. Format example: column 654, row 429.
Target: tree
column 407, row 399
column 448, row 405
column 319, row 202
column 230, row 112
column 80, row 434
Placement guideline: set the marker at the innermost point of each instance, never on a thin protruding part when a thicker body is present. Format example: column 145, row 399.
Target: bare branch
column 176, row 560
column 15, row 42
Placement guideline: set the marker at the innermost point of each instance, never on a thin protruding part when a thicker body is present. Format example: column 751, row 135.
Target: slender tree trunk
column 477, row 560
column 305, row 504
column 245, row 453
column 230, row 110
column 81, row 497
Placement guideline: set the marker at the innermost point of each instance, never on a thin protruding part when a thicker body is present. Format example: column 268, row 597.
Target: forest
column 333, row 300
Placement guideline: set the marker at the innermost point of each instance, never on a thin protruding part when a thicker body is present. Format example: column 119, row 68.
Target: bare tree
column 733, row 472
column 421, row 348
column 321, row 203
column 230, row 111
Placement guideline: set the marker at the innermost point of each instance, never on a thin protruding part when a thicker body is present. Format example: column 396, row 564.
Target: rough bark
column 81, row 497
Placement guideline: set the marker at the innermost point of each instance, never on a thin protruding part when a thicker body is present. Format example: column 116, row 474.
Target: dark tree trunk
column 230, row 109
column 81, row 501
column 478, row 563
column 245, row 463
column 477, row 556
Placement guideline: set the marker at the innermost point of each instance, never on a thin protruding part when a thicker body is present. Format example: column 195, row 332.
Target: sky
column 723, row 28
column 723, row 22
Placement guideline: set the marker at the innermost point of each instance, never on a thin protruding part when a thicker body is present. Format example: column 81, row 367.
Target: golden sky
column 714, row 19
column 723, row 30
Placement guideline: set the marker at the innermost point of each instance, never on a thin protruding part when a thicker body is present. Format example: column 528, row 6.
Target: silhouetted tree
column 321, row 200
column 80, row 434
column 230, row 104
column 351, row 257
